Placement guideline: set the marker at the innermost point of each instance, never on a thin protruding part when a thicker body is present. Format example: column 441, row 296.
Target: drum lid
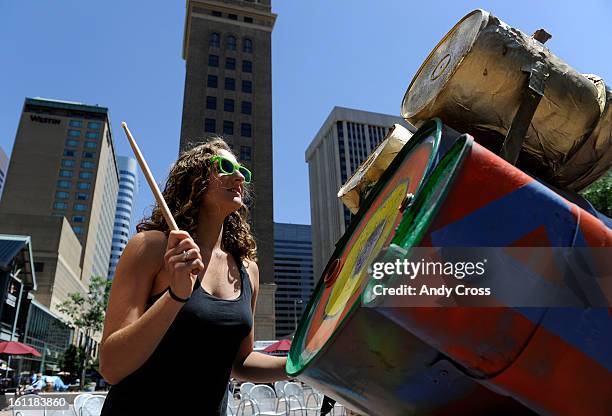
column 339, row 291
column 441, row 63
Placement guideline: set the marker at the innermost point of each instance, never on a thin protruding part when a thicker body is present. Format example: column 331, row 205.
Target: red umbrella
column 17, row 348
column 282, row 345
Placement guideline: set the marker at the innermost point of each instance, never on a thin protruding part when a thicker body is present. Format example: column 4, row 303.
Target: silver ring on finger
column 185, row 256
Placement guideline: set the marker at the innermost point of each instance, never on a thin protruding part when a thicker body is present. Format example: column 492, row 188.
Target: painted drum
column 357, row 354
column 415, row 360
column 474, row 80
column 513, row 350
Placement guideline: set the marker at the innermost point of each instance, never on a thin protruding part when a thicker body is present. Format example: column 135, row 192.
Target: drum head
column 433, row 74
column 340, row 289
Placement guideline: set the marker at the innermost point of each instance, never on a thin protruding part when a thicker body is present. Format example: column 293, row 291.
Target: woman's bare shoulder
column 149, row 242
column 253, row 271
column 146, row 249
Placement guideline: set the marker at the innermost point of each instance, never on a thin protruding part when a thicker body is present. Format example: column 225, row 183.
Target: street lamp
column 295, row 302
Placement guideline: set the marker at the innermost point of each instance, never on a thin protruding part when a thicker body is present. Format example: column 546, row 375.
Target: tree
column 599, row 193
column 72, row 360
column 86, row 314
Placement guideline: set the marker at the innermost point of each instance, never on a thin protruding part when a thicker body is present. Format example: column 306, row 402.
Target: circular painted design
column 335, row 300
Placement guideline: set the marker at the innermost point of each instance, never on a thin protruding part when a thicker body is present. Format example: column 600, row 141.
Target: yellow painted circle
column 366, row 248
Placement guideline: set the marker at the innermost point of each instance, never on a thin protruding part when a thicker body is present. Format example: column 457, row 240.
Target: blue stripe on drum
column 589, row 330
column 511, row 217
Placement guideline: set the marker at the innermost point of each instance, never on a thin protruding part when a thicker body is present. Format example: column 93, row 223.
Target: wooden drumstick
column 147, row 173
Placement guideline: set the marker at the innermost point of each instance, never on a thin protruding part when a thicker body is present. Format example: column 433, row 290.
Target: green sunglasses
column 228, row 167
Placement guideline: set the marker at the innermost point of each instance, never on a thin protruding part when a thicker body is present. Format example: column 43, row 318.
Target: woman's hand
column 183, row 261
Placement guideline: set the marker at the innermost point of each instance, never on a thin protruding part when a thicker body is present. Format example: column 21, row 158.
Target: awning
column 20, row 247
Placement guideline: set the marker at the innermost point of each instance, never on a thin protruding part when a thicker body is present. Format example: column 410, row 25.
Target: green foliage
column 599, row 193
column 87, row 312
column 72, row 359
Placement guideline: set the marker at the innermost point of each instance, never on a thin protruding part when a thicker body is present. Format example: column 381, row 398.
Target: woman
column 182, row 302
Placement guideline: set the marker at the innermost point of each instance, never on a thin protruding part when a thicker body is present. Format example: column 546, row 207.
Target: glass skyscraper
column 292, row 274
column 128, row 188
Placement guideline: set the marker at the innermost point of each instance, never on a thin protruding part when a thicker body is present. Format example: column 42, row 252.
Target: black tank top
column 189, row 370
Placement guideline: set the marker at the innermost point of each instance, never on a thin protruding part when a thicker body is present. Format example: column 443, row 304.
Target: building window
column 65, row 173
column 230, row 84
column 245, row 153
column 67, row 163
column 80, row 207
column 247, row 66
column 245, row 129
column 232, row 16
column 74, row 133
column 247, row 86
column 211, row 103
column 63, row 184
column 60, row 205
column 91, row 145
column 213, row 60
column 210, row 125
column 245, row 107
column 76, row 123
column 78, row 218
column 212, row 81
column 228, row 127
column 83, row 185
column 81, row 196
column 92, row 135
column 231, row 43
column 89, row 155
column 94, row 125
column 215, row 40
column 69, row 153
column 72, row 143
column 228, row 105
column 86, row 164
column 77, row 230
column 248, row 20
column 247, row 44
column 85, row 175
column 230, row 63
column 216, row 13
column 62, row 195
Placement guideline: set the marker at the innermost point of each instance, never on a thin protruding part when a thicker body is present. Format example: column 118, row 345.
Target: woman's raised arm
column 131, row 334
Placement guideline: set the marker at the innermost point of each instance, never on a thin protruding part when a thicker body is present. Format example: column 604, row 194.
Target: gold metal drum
column 474, row 80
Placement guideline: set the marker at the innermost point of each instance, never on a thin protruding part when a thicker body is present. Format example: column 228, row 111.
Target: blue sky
column 126, row 55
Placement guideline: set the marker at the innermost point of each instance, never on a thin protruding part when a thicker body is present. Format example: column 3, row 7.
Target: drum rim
column 294, row 365
column 406, row 114
column 461, row 148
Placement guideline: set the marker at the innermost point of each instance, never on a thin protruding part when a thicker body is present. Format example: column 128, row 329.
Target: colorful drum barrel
column 475, row 79
column 443, row 189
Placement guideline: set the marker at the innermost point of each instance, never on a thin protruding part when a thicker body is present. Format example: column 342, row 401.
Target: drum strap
column 532, row 94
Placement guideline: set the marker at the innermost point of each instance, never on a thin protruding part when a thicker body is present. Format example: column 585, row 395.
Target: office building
column 3, row 169
column 292, row 274
column 61, row 189
column 344, row 141
column 228, row 92
column 123, row 226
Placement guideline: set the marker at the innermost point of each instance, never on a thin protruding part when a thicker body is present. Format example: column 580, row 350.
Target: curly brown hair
column 185, row 187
